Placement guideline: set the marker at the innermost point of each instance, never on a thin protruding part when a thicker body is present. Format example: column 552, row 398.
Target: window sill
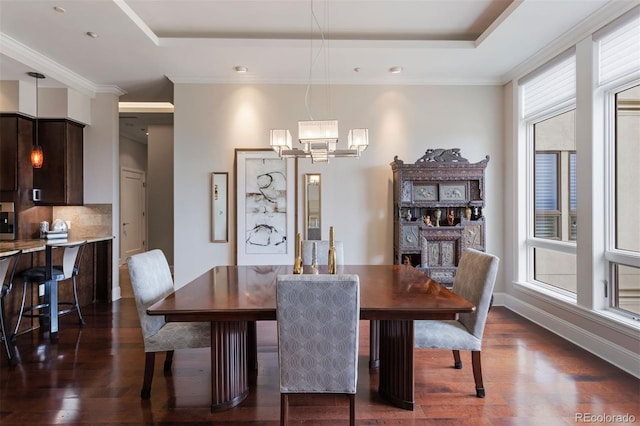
column 604, row 317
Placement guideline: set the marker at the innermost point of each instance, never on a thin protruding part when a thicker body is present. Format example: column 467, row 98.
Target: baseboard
column 116, row 294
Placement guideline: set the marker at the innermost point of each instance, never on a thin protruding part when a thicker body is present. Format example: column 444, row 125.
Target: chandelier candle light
column 318, row 138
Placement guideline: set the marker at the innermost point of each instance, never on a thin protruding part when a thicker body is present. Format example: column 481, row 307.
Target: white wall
column 101, row 144
column 212, row 120
column 160, row 190
column 10, row 91
column 100, row 166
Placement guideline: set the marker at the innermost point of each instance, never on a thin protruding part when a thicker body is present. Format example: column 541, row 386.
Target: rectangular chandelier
column 319, row 141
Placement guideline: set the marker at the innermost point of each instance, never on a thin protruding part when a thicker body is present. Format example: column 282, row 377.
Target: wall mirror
column 313, row 206
column 219, row 207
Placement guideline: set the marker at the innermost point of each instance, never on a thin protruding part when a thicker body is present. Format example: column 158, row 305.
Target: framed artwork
column 453, row 192
column 219, row 207
column 265, row 208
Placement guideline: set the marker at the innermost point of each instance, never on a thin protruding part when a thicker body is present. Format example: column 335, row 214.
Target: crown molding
column 35, row 60
column 586, row 28
column 109, row 89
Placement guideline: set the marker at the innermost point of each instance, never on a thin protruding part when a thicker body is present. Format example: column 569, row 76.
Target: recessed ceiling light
column 395, row 70
column 92, row 34
column 240, row 69
column 59, row 9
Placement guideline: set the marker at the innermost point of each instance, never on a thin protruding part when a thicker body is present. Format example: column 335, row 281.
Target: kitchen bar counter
column 94, row 282
column 29, row 246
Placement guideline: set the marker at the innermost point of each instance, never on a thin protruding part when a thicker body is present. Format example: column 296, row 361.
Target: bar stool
column 71, row 260
column 7, row 271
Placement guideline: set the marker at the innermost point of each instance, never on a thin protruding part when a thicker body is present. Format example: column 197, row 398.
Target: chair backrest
column 8, row 269
column 317, row 321
column 474, row 280
column 151, row 280
column 322, row 252
column 71, row 258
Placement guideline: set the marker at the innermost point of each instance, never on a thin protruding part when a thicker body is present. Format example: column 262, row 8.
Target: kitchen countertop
column 28, row 246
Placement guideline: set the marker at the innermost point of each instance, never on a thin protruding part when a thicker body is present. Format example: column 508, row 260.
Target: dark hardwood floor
column 93, row 375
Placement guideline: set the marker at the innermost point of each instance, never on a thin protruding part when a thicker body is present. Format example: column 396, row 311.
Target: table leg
column 51, row 294
column 252, row 352
column 374, row 344
column 396, row 362
column 252, row 342
column 229, row 381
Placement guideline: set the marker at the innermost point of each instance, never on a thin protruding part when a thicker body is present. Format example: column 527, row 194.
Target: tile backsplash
column 90, row 219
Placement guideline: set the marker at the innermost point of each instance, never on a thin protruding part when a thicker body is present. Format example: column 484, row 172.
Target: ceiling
column 142, row 47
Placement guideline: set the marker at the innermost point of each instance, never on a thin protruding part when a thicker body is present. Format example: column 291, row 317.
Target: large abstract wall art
column 264, row 200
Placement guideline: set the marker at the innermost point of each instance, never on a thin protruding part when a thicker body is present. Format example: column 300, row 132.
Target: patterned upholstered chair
column 151, row 281
column 8, row 263
column 318, row 319
column 322, row 252
column 474, row 280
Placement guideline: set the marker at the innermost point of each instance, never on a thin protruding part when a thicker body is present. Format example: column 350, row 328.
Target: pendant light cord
column 324, row 46
column 37, row 113
column 36, row 150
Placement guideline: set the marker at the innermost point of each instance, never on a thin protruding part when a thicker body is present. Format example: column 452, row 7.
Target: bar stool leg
column 75, row 296
column 5, row 336
column 24, row 295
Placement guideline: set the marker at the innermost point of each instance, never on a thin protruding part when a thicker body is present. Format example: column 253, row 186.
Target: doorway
column 133, row 220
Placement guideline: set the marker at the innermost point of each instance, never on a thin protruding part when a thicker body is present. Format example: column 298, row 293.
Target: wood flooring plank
column 93, row 375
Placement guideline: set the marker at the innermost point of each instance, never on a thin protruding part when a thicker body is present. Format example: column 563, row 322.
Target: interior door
column 133, row 223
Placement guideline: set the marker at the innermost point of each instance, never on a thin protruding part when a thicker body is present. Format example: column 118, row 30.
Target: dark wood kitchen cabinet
column 60, row 180
column 16, row 173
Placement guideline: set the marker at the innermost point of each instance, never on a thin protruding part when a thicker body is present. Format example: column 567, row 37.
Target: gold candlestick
column 314, row 259
column 297, row 264
column 332, row 266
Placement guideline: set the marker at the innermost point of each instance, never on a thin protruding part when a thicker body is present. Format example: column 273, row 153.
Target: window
column 624, row 252
column 555, row 200
column 547, row 204
column 618, row 49
column 583, row 283
column 549, row 118
column 555, row 178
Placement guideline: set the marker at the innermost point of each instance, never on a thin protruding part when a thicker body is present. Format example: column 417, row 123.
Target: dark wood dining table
column 233, row 298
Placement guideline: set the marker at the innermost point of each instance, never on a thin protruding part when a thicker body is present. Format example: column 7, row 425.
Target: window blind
column 573, row 183
column 619, row 48
column 546, row 184
column 551, row 85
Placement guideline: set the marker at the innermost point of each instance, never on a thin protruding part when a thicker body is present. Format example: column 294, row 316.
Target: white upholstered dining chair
column 474, row 280
column 317, row 320
column 322, row 252
column 151, row 281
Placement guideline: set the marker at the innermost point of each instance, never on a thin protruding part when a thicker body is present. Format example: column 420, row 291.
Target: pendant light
column 37, row 158
column 318, row 138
